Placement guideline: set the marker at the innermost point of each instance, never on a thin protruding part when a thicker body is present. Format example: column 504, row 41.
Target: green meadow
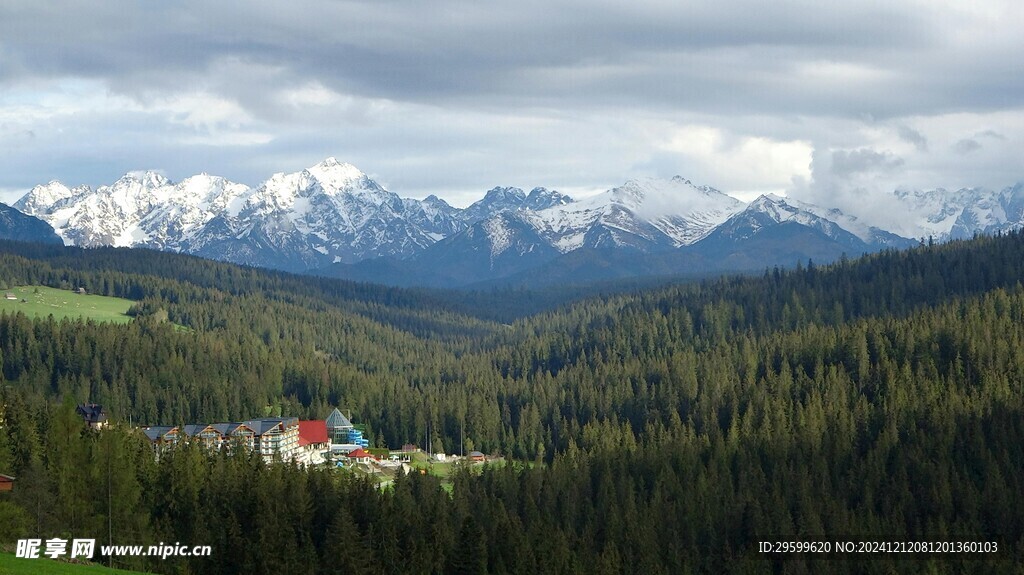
column 42, row 301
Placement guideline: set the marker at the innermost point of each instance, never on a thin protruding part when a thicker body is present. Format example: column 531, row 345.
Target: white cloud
column 751, row 164
column 10, row 195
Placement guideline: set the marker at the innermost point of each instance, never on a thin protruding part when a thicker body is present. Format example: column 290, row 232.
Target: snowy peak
column 769, row 211
column 510, row 199
column 987, row 214
column 329, row 212
column 146, row 179
column 676, row 209
column 434, row 216
column 139, row 209
column 510, row 195
column 775, row 207
column 644, row 215
column 433, row 200
column 944, row 214
column 208, row 192
column 653, row 197
column 543, row 198
column 874, row 237
column 339, row 169
column 495, row 201
column 43, row 197
column 934, row 213
column 337, row 177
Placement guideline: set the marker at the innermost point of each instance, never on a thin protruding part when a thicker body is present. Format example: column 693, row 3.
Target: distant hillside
column 17, row 226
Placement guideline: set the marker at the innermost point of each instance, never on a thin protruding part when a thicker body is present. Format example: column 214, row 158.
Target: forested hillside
column 673, row 428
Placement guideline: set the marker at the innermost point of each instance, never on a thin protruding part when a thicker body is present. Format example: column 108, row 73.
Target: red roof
column 359, row 454
column 311, row 432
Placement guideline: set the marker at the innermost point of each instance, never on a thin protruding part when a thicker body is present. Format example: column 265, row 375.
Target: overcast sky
column 827, row 101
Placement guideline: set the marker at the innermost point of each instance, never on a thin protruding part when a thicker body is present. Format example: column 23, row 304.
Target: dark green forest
column 659, row 430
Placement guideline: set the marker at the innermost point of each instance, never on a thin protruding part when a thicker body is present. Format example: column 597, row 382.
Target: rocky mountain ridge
column 332, row 218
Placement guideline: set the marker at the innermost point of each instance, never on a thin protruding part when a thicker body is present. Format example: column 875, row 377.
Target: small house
column 10, row 295
column 360, row 456
column 6, row 483
column 81, row 291
column 476, row 457
column 93, row 414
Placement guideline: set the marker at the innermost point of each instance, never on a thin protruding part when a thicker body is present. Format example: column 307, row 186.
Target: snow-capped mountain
column 768, row 211
column 543, row 198
column 875, row 237
column 434, row 216
column 328, row 213
column 642, row 216
column 334, row 219
column 500, row 199
column 645, row 214
column 934, row 213
column 943, row 214
column 497, row 246
column 140, row 209
column 47, row 196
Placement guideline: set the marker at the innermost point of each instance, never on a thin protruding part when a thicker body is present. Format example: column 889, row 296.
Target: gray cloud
column 914, row 137
column 966, row 146
column 846, row 163
column 455, row 97
column 990, row 134
column 855, row 181
column 793, row 54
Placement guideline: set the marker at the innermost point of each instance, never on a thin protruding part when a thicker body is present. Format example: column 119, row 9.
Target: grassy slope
column 11, row 565
column 64, row 303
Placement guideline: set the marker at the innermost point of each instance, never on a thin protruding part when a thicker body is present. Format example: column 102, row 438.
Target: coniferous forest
column 670, row 429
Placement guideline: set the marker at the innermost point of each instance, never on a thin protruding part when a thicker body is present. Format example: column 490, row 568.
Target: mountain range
column 332, row 219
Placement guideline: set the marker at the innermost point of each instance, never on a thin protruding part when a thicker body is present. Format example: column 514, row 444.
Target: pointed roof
column 336, row 420
column 195, row 429
column 156, row 432
column 226, row 428
column 91, row 412
column 261, row 426
column 360, row 453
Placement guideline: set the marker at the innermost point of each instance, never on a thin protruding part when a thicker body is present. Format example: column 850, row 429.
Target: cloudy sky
column 827, row 101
